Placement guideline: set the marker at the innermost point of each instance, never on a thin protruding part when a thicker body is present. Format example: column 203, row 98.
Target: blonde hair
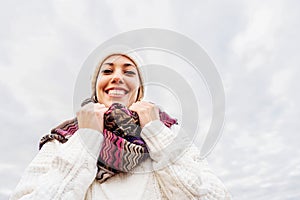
column 140, row 93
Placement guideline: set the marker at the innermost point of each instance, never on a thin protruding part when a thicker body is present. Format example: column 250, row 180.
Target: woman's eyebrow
column 108, row 63
column 129, row 65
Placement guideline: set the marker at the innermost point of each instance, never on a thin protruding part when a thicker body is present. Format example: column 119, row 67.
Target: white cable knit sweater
column 67, row 171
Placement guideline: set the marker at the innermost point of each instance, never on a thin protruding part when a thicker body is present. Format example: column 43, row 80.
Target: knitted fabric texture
column 122, row 148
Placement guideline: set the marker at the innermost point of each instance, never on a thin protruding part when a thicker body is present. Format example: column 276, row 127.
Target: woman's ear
column 94, row 98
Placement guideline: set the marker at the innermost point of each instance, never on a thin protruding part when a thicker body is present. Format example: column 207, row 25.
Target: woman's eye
column 130, row 72
column 107, row 71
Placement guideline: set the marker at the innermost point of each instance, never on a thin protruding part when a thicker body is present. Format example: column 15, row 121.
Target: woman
column 78, row 169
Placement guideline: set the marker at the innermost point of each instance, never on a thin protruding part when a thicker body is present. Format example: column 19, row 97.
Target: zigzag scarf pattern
column 122, row 148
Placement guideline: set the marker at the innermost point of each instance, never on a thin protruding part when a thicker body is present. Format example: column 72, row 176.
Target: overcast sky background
column 254, row 44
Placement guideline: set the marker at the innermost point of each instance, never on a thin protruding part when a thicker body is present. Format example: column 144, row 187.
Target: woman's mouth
column 116, row 92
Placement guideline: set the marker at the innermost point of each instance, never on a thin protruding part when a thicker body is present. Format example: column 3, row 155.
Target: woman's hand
column 147, row 111
column 91, row 116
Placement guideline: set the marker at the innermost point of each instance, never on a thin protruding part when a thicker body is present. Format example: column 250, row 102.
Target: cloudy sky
column 254, row 44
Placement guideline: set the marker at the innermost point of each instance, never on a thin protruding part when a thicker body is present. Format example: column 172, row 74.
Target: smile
column 116, row 92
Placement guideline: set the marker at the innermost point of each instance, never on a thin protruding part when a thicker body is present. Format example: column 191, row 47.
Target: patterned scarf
column 122, row 148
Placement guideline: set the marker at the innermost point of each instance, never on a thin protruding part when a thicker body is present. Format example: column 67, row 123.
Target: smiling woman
column 118, row 147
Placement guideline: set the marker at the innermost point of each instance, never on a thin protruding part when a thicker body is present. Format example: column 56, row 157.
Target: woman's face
column 118, row 81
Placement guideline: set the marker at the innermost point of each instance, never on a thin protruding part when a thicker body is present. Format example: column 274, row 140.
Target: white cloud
column 255, row 45
column 139, row 14
column 281, row 82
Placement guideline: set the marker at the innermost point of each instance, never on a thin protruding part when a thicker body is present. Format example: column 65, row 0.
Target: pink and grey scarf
column 122, row 148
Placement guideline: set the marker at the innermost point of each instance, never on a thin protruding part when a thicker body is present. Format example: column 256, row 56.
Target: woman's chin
column 109, row 101
column 108, row 104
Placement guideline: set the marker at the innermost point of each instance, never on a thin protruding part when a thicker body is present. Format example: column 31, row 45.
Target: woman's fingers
column 147, row 111
column 91, row 116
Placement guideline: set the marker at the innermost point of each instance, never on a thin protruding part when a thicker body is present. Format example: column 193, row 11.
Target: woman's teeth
column 116, row 92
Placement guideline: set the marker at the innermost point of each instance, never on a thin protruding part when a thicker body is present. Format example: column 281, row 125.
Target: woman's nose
column 117, row 78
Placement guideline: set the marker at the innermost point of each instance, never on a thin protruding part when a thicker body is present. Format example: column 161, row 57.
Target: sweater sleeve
column 62, row 171
column 180, row 171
